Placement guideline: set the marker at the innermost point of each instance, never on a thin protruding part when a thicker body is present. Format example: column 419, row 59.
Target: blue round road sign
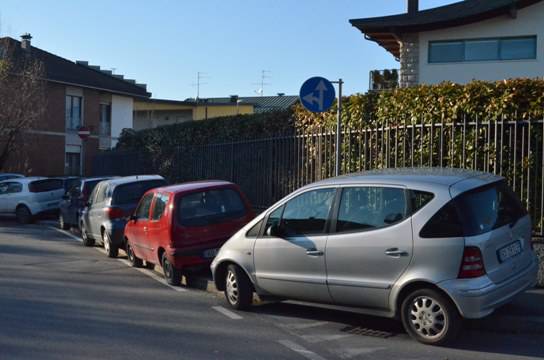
column 317, row 94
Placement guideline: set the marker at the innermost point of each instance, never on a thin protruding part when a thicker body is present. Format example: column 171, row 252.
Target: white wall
column 121, row 115
column 529, row 21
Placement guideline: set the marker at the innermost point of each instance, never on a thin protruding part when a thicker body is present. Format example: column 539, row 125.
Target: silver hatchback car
column 427, row 246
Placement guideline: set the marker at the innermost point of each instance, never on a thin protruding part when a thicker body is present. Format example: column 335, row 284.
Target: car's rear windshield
column 132, row 192
column 210, row 207
column 489, row 207
column 45, row 185
column 476, row 212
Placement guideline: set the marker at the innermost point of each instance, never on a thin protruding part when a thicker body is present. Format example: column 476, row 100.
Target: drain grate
column 358, row 330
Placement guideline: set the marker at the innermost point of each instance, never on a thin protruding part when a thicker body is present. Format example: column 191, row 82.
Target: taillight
column 472, row 264
column 114, row 213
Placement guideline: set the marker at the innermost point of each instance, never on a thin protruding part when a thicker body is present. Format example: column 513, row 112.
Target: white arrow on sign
column 310, row 98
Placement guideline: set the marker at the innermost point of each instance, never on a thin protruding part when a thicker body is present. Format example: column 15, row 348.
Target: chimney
column 413, row 7
column 25, row 41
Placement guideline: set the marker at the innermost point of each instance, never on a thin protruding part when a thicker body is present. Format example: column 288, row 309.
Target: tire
column 238, row 288
column 87, row 241
column 23, row 215
column 62, row 224
column 171, row 274
column 111, row 250
column 134, row 260
column 430, row 317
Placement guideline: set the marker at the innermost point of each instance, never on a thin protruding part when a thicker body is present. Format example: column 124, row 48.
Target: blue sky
column 164, row 43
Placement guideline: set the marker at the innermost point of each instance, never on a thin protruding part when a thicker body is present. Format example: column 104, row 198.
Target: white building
column 464, row 41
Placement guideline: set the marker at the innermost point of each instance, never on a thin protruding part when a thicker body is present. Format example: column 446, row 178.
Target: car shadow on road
column 365, row 325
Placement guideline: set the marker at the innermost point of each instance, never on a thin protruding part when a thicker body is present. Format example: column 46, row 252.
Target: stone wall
column 409, row 60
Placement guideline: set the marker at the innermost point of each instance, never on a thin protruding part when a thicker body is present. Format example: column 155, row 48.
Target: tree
column 22, row 99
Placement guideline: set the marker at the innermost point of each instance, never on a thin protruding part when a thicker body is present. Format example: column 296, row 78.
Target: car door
column 370, row 245
column 9, row 196
column 140, row 227
column 96, row 212
column 293, row 265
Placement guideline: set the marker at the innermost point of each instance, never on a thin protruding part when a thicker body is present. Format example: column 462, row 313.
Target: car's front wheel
column 23, row 215
column 62, row 224
column 238, row 289
column 134, row 260
column 430, row 317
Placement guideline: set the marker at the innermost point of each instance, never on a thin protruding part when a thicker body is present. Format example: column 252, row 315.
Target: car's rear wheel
column 238, row 289
column 111, row 250
column 62, row 224
column 87, row 241
column 430, row 317
column 134, row 260
column 23, row 215
column 172, row 275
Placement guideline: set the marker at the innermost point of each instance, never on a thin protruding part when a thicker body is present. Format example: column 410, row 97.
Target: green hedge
column 517, row 98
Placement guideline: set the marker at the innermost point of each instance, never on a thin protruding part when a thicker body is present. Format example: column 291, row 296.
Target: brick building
column 78, row 94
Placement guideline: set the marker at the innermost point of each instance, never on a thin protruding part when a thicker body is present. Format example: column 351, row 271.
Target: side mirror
column 275, row 231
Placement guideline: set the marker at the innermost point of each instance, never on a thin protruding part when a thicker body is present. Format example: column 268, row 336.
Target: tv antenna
column 199, row 77
column 265, row 74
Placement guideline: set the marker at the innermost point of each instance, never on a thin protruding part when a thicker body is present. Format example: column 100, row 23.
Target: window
column 160, row 205
column 142, row 212
column 368, row 208
column 101, row 194
column 131, row 193
column 513, row 48
column 489, row 207
column 105, row 120
column 39, row 186
column 210, row 207
column 73, row 164
column 445, row 223
column 10, row 188
column 419, row 199
column 255, row 229
column 73, row 112
column 308, row 213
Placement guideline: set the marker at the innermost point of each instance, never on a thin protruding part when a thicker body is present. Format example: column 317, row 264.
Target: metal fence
column 268, row 169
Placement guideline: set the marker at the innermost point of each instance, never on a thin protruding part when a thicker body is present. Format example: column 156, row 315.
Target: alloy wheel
column 427, row 317
column 232, row 287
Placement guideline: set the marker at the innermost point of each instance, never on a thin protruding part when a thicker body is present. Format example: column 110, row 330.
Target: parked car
column 75, row 199
column 28, row 197
column 69, row 182
column 183, row 226
column 110, row 205
column 427, row 246
column 7, row 176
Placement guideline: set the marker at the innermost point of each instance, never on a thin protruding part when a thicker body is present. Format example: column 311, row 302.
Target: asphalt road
column 60, row 300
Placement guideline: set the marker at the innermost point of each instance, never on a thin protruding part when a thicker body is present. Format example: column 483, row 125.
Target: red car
column 183, row 226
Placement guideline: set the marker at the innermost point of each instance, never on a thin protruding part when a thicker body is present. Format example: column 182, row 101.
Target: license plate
column 509, row 251
column 210, row 253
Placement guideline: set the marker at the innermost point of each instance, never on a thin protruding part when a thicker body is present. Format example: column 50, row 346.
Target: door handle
column 395, row 252
column 314, row 252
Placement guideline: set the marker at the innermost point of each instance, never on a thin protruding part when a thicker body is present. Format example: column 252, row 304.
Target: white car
column 27, row 197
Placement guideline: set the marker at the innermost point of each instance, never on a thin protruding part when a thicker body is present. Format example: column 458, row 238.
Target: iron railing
column 268, row 169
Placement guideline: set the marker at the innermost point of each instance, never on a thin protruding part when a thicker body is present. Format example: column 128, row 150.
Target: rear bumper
column 193, row 257
column 477, row 298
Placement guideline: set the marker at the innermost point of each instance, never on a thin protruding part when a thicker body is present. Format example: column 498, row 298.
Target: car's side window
column 368, row 208
column 142, row 212
column 418, row 199
column 160, row 205
column 445, row 223
column 10, row 188
column 255, row 229
column 308, row 213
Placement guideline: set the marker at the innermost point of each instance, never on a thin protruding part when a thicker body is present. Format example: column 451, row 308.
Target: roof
column 412, row 176
column 167, row 104
column 385, row 30
column 261, row 103
column 64, row 71
column 195, row 185
column 130, row 179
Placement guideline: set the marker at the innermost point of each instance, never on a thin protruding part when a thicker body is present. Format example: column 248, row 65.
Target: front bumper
column 477, row 298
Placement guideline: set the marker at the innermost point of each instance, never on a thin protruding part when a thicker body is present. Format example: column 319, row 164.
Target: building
column 150, row 113
column 78, row 95
column 467, row 40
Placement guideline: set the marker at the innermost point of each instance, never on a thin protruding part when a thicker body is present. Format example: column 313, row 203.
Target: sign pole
column 339, row 127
